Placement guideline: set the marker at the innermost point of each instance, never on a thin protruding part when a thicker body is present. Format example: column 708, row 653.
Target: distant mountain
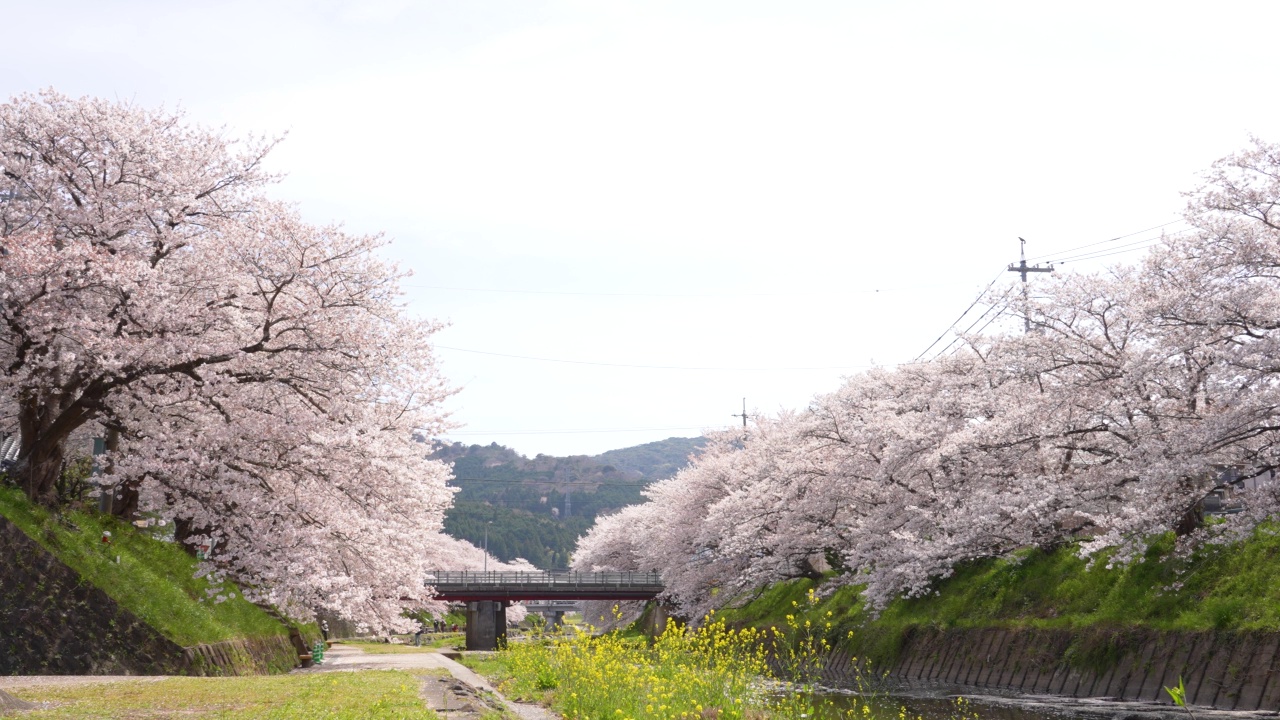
column 536, row 508
column 656, row 460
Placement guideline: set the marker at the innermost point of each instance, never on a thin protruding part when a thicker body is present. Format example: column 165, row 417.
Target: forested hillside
column 656, row 460
column 536, row 508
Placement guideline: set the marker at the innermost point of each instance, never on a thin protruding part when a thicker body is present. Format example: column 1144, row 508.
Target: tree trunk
column 125, row 503
column 184, row 530
column 45, row 421
column 1192, row 519
column 38, row 468
column 124, row 494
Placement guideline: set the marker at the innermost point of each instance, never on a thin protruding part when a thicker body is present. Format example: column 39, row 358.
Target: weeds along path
column 453, row 687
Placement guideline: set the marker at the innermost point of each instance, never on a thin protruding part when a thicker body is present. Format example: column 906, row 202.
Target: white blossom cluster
column 1107, row 423
column 256, row 376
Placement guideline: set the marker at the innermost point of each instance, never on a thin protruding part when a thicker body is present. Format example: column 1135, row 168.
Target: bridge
column 553, row 610
column 543, row 606
column 471, row 586
column 487, row 594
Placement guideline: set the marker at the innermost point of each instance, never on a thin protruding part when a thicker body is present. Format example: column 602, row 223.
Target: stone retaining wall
column 52, row 623
column 1225, row 670
column 254, row 656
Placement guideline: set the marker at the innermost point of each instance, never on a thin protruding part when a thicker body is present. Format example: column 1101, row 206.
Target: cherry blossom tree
column 1135, row 394
column 257, row 373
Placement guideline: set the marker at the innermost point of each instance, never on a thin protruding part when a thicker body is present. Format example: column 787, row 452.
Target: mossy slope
column 1233, row 588
column 151, row 578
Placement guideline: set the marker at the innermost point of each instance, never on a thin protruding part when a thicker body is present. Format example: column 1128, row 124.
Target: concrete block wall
column 52, row 623
column 1224, row 670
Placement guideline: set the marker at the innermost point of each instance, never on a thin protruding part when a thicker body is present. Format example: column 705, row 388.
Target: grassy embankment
column 621, row 675
column 369, row 694
column 151, row 578
column 1221, row 588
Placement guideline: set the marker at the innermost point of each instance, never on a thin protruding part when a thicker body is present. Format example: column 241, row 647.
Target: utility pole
column 1023, row 269
column 743, row 415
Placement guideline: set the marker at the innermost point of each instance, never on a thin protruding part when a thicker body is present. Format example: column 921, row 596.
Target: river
column 941, row 705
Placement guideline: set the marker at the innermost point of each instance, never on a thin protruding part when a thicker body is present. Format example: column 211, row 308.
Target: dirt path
column 454, row 690
column 8, row 682
column 462, row 694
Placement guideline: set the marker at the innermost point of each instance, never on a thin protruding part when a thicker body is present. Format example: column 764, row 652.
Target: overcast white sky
column 757, row 198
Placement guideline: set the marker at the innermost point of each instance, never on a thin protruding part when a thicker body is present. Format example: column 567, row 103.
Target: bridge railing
column 508, row 578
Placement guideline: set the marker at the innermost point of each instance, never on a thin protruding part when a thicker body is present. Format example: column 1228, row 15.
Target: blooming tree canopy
column 261, row 384
column 1136, row 393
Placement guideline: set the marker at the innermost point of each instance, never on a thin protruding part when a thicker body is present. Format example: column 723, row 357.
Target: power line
column 1136, row 245
column 652, row 367
column 569, row 483
column 1103, row 242
column 967, row 330
column 1149, row 245
column 566, row 432
column 1109, row 250
column 571, row 293
column 994, row 318
column 957, row 320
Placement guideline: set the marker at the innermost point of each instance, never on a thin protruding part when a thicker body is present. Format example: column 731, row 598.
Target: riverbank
column 1047, row 622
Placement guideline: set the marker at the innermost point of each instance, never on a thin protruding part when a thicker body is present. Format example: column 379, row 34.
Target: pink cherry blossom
column 256, row 375
column 1136, row 392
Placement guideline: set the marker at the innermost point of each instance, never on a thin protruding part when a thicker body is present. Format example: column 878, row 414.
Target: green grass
column 339, row 695
column 153, row 579
column 1221, row 588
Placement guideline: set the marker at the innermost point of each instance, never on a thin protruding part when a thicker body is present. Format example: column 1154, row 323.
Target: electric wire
column 1103, row 242
column 652, row 367
column 571, row 293
column 566, row 432
column 1100, row 253
column 967, row 330
column 1140, row 245
column 994, row 318
column 569, row 483
column 1103, row 252
column 955, row 322
column 1117, row 252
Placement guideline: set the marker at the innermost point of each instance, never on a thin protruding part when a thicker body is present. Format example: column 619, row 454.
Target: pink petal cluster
column 1135, row 393
column 256, row 376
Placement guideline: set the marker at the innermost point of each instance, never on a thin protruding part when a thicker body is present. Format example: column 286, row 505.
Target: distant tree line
column 521, row 502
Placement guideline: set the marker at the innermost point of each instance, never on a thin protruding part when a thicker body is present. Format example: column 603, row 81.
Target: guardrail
column 547, row 577
column 517, row 585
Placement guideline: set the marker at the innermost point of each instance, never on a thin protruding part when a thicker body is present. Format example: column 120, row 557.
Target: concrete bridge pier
column 655, row 619
column 557, row 618
column 486, row 624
